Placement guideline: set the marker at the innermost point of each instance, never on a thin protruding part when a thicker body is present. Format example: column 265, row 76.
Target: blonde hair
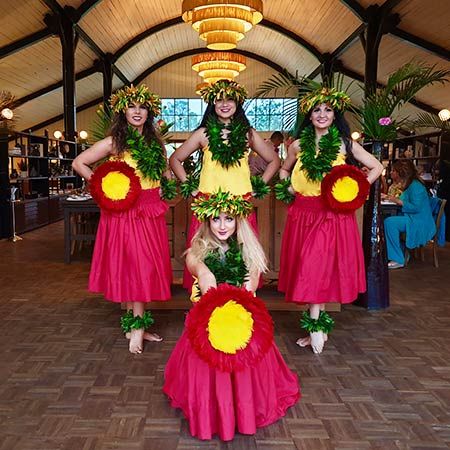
column 204, row 242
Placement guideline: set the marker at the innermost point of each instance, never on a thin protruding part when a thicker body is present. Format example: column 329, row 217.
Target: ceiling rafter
column 423, row 44
column 389, row 5
column 25, row 42
column 73, row 15
column 45, row 90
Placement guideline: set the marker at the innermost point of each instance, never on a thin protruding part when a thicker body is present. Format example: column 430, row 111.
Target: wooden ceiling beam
column 25, row 42
column 423, row 44
column 79, row 76
column 357, row 9
column 87, row 6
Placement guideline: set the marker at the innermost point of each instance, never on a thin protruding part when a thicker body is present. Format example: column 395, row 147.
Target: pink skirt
column 131, row 260
column 321, row 254
column 216, row 402
column 193, row 227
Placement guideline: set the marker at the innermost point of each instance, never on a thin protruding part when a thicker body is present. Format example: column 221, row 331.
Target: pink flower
column 384, row 121
column 160, row 123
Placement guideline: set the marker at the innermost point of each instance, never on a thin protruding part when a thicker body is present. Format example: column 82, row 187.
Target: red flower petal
column 99, row 196
column 197, row 328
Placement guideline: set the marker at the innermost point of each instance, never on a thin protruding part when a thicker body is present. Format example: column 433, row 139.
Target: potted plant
column 23, row 168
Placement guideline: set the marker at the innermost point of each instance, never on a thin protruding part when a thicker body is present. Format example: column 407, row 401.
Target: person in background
column 257, row 164
column 416, row 220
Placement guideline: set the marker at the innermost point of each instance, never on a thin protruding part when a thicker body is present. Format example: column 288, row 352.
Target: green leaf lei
column 150, row 159
column 314, row 163
column 168, row 188
column 230, row 150
column 130, row 322
column 259, row 187
column 189, row 186
column 229, row 268
column 324, row 323
column 282, row 191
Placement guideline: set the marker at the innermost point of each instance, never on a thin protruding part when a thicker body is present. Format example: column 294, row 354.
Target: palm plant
column 102, row 123
column 376, row 113
column 428, row 120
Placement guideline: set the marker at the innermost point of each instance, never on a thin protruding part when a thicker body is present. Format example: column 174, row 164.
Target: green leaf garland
column 230, row 150
column 316, row 164
column 189, row 186
column 282, row 191
column 324, row 323
column 229, row 268
column 150, row 158
column 168, row 188
column 129, row 321
column 259, row 187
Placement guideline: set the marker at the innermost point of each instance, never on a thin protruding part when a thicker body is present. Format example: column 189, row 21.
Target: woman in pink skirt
column 131, row 261
column 321, row 254
column 226, row 372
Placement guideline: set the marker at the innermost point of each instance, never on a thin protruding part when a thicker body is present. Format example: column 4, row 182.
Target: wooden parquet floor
column 67, row 381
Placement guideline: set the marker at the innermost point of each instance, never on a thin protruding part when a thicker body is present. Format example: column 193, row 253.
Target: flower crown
column 223, row 89
column 131, row 94
column 336, row 99
column 212, row 205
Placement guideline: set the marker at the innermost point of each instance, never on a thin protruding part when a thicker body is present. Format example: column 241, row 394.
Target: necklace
column 229, row 268
column 227, row 151
column 150, row 158
column 316, row 163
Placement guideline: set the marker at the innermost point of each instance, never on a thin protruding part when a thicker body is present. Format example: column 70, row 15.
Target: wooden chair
column 420, row 251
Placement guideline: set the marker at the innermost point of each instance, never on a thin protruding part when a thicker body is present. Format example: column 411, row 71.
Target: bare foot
column 305, row 341
column 151, row 337
column 317, row 341
column 136, row 341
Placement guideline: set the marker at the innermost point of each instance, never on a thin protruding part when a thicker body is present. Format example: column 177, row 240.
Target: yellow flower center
column 230, row 327
column 115, row 185
column 345, row 189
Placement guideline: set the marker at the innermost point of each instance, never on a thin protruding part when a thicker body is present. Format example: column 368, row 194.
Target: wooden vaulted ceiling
column 144, row 37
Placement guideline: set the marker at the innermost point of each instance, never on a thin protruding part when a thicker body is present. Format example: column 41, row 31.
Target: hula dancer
column 226, row 373
column 224, row 137
column 131, row 261
column 321, row 254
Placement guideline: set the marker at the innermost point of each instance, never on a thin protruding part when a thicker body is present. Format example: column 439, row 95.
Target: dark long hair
column 119, row 131
column 406, row 171
column 344, row 130
column 211, row 112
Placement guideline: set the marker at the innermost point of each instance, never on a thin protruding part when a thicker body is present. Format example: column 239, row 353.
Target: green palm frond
column 401, row 87
column 283, row 81
column 427, row 120
column 102, row 123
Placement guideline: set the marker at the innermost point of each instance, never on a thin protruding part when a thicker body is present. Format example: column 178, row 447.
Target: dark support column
column 5, row 206
column 327, row 68
column 63, row 26
column 107, row 69
column 377, row 275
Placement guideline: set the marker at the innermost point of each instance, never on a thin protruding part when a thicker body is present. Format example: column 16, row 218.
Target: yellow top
column 235, row 179
column 146, row 183
column 302, row 185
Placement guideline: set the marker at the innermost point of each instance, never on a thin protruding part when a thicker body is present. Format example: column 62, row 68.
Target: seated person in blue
column 416, row 220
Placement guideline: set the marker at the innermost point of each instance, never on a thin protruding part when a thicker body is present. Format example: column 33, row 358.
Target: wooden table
column 74, row 207
column 390, row 209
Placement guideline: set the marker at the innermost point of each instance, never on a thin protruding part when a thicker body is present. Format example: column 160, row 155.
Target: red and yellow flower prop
column 345, row 188
column 229, row 328
column 115, row 186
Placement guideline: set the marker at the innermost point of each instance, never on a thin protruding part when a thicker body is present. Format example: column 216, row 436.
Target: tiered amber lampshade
column 222, row 23
column 213, row 66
